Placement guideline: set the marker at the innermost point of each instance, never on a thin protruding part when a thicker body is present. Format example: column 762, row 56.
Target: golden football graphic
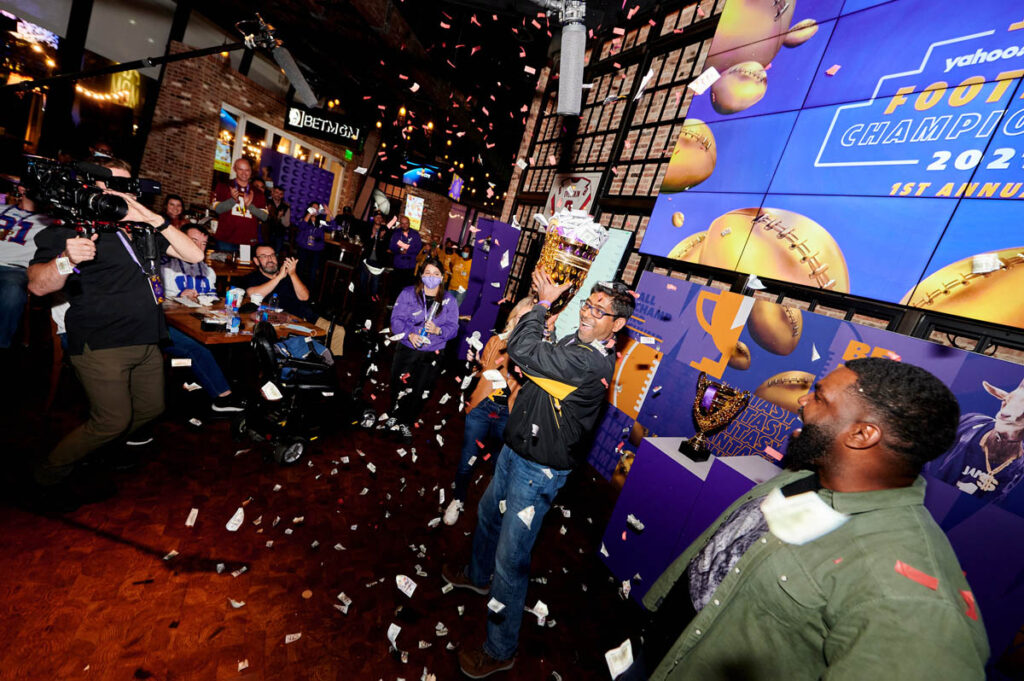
column 740, row 358
column 993, row 297
column 778, row 244
column 678, row 219
column 786, row 388
column 693, row 158
column 776, row 328
column 750, row 30
column 740, row 87
column 800, row 33
column 690, row 248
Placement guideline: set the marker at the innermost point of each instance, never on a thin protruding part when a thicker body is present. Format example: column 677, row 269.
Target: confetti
column 495, row 606
column 405, row 585
column 526, row 515
column 916, row 575
column 619, row 659
column 292, row 638
column 833, row 70
column 236, row 520
column 192, row 516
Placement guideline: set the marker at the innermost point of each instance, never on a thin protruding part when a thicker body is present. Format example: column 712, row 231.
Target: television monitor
column 860, row 146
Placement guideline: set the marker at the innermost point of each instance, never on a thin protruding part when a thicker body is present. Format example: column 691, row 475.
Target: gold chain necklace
column 987, row 481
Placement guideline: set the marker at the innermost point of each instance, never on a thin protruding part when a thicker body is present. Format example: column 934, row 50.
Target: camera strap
column 156, row 286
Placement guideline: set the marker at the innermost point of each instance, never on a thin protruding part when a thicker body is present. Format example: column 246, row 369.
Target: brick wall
column 179, row 152
column 435, row 214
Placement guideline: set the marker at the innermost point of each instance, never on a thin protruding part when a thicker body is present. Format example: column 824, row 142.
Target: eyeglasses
column 595, row 311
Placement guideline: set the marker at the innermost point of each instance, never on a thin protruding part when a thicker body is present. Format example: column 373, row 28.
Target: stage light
column 401, row 111
column 379, row 124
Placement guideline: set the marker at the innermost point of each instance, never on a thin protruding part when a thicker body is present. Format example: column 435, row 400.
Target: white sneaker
column 451, row 514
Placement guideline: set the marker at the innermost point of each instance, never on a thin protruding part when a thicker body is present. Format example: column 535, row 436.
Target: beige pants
column 125, row 387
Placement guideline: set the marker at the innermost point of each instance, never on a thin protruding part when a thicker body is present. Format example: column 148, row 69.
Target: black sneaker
column 456, row 576
column 227, row 404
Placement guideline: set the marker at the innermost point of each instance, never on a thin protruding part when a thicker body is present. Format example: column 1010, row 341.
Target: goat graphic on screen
column 986, row 460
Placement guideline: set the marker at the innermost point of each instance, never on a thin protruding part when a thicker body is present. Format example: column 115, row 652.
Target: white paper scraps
column 495, row 606
column 800, row 518
column 461, row 610
column 236, row 520
column 440, row 629
column 547, row 472
column 243, row 665
column 180, row 362
column 239, row 572
column 562, row 530
column 345, row 602
column 360, row 170
column 292, row 638
column 626, row 588
column 540, row 611
column 502, row 507
column 526, row 515
column 619, row 659
column 339, row 547
column 171, row 554
column 634, row 522
column 393, row 631
column 192, row 516
column 370, row 467
column 405, row 585
column 981, row 264
column 471, row 460
column 604, row 551
column 498, row 381
column 440, row 494
column 271, row 391
column 345, row 460
column 643, row 84
column 396, row 337
column 447, row 588
column 704, row 81
column 195, row 422
column 236, row 604
column 815, row 355
column 754, row 283
column 504, row 260
column 535, row 429
column 401, row 452
column 277, row 487
column 521, row 163
column 440, row 440
column 191, row 386
column 444, row 398
column 566, row 513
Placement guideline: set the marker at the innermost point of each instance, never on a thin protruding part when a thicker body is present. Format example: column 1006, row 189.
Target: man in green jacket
column 834, row 569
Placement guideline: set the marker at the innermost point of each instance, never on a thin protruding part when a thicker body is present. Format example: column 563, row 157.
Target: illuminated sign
column 414, row 211
column 862, row 147
column 322, row 125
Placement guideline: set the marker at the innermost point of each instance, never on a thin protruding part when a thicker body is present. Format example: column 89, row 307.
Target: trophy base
column 695, row 449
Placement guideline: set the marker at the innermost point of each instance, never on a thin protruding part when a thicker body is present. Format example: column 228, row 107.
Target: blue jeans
column 502, row 543
column 479, row 425
column 13, row 296
column 204, row 366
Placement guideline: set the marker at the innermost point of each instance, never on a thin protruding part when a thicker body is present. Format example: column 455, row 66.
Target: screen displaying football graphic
column 750, row 30
column 993, row 296
column 693, row 158
column 773, row 243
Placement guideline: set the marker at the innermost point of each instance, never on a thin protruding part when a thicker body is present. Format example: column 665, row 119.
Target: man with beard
column 833, row 569
column 283, row 281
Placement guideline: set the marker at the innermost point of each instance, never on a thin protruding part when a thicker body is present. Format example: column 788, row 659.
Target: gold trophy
column 715, row 406
column 570, row 247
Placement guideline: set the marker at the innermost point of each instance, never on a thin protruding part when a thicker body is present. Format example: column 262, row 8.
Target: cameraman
column 113, row 327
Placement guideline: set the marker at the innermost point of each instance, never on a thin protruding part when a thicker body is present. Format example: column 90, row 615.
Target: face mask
column 465, row 255
column 430, row 282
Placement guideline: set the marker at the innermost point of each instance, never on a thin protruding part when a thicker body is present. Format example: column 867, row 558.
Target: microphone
column 303, row 92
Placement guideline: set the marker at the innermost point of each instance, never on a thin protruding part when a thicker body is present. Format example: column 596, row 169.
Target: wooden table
column 188, row 320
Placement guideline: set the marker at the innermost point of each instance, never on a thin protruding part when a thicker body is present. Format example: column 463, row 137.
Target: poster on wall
column 414, row 211
column 860, row 147
column 572, row 191
column 605, row 265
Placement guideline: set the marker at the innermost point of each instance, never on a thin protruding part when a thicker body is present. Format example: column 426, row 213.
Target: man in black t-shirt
column 113, row 327
column 283, row 280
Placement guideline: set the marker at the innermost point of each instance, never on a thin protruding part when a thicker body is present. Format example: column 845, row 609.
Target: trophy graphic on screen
column 715, row 406
column 571, row 243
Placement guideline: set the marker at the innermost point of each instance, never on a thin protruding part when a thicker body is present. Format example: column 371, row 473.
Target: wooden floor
column 94, row 595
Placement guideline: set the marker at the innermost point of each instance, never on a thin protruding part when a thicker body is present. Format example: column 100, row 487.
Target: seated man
column 189, row 280
column 283, row 281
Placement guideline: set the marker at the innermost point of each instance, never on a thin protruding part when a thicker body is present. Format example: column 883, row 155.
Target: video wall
column 859, row 146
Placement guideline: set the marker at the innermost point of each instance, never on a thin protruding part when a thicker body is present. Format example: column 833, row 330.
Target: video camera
column 70, row 188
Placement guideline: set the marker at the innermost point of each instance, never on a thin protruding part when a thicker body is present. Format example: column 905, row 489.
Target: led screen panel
column 862, row 147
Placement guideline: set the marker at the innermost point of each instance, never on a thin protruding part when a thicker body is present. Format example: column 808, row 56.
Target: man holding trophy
column 565, row 384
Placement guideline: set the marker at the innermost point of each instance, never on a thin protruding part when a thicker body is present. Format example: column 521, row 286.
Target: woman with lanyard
column 487, row 407
column 427, row 317
column 310, row 241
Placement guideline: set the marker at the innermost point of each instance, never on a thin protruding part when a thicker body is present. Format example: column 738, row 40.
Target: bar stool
column 335, row 270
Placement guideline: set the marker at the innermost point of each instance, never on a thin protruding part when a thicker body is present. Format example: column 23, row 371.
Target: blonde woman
column 487, row 408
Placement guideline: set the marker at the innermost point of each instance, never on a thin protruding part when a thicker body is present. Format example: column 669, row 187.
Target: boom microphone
column 303, row 92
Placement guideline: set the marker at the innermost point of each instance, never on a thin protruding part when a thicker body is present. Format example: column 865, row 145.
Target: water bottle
column 272, row 301
column 235, row 326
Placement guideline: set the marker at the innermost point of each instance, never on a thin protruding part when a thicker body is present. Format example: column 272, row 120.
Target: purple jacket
column 407, row 260
column 310, row 236
column 409, row 315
